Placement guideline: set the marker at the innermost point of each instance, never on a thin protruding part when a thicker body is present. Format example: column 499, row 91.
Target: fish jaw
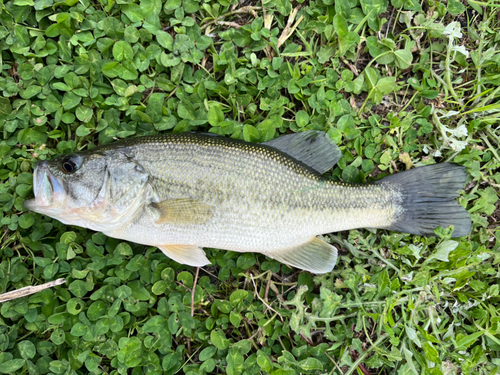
column 49, row 191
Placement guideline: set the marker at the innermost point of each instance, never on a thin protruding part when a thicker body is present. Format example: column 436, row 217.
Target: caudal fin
column 427, row 198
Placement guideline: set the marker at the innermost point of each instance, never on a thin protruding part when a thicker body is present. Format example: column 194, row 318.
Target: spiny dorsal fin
column 315, row 256
column 185, row 254
column 183, row 211
column 314, row 148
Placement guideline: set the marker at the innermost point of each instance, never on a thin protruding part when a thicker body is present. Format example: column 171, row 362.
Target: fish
column 183, row 192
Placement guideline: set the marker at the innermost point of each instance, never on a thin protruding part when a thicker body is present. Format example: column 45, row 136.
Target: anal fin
column 185, row 254
column 315, row 256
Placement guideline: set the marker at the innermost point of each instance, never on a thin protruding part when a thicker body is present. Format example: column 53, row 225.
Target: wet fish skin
column 182, row 192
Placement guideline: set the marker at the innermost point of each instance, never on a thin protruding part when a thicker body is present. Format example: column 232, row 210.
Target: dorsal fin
column 314, row 148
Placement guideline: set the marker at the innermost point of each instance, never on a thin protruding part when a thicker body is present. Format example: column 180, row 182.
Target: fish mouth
column 48, row 189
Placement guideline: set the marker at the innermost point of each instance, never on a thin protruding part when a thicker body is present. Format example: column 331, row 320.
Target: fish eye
column 69, row 164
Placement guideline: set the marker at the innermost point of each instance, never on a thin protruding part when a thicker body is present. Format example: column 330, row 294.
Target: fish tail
column 426, row 198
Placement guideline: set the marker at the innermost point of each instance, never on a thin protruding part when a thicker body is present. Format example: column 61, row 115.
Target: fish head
column 91, row 190
column 67, row 187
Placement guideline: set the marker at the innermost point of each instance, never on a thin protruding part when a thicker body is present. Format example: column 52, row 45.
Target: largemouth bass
column 183, row 192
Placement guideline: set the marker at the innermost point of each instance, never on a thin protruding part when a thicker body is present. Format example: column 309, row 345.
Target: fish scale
column 270, row 195
column 183, row 192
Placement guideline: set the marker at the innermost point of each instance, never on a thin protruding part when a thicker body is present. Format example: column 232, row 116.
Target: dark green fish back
column 205, row 141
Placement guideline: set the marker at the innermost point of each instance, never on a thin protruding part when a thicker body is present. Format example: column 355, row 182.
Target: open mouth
column 47, row 189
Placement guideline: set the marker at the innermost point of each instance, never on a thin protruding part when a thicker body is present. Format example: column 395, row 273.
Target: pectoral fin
column 185, row 254
column 183, row 211
column 315, row 256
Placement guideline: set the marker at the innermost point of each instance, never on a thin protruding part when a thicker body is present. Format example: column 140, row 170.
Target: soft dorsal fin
column 314, row 148
column 183, row 211
column 185, row 254
column 315, row 256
